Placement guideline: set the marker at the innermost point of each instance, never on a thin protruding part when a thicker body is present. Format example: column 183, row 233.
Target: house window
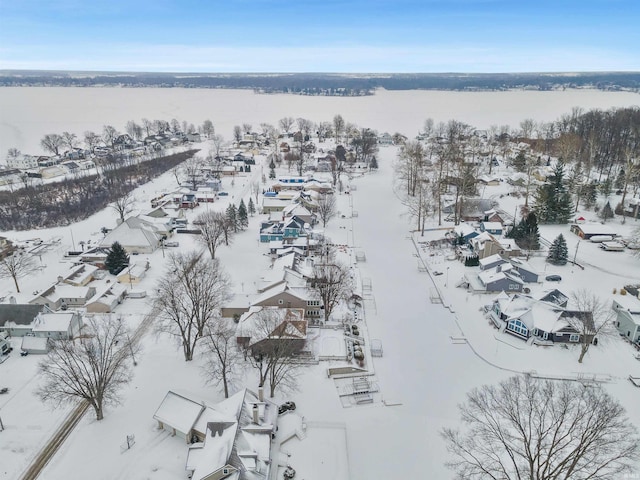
column 536, row 332
column 313, row 313
column 280, row 302
column 313, row 303
column 516, row 326
column 545, row 336
column 559, row 334
column 574, row 337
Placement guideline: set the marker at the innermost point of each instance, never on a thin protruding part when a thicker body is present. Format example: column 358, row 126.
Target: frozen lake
column 28, row 113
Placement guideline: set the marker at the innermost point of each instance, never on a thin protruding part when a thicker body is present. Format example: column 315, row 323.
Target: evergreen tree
column 117, row 259
column 552, row 200
column 373, row 164
column 251, row 208
column 606, row 213
column 619, row 183
column 272, row 173
column 605, row 187
column 243, row 218
column 558, row 252
column 590, row 195
column 526, row 233
column 519, row 162
column 232, row 217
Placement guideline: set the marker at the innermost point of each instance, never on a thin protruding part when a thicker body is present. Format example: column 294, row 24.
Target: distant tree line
column 72, row 200
column 332, row 84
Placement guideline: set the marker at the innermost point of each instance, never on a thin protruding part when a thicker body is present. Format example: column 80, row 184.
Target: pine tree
column 606, row 213
column 373, row 164
column 605, row 187
column 558, row 252
column 526, row 233
column 251, row 208
column 590, row 195
column 272, row 173
column 232, row 217
column 243, row 218
column 117, row 259
column 619, row 183
column 553, row 202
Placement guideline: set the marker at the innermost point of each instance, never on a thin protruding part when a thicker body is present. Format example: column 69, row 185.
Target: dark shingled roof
column 21, row 314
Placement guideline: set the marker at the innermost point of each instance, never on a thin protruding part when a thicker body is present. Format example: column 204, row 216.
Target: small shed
column 37, row 345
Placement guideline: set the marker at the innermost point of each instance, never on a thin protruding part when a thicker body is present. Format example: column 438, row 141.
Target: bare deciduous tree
column 217, row 142
column 123, row 206
column 532, row 429
column 237, row 133
column 338, row 126
column 70, row 139
column 327, row 208
column 52, row 142
column 189, row 297
column 286, row 123
column 273, row 348
column 332, row 283
column 593, row 318
column 222, row 355
column 208, row 128
column 93, row 368
column 91, row 140
column 17, row 265
column 109, row 135
column 212, row 227
column 192, row 172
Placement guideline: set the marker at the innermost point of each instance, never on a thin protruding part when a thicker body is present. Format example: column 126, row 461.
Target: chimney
column 60, row 279
column 256, row 418
column 261, row 394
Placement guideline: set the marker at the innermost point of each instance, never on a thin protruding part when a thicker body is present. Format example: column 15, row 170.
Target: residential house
column 57, row 325
column 494, row 228
column 133, row 274
column 287, row 231
column 228, row 440
column 63, row 296
column 6, row 247
column 464, row 233
column 555, row 297
column 627, row 310
column 35, row 345
column 486, row 245
column 631, row 207
column 79, row 275
column 108, row 296
column 526, row 272
column 22, row 162
column 301, row 212
column 16, row 318
column 500, row 278
column 588, row 230
column 489, row 180
column 493, row 216
column 491, row 261
column 261, row 328
column 525, row 317
column 385, row 139
column 135, row 235
column 472, row 209
column 286, row 296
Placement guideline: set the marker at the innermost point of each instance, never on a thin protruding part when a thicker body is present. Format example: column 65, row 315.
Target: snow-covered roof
column 79, row 274
column 52, row 322
column 491, row 259
column 464, row 229
column 596, row 229
column 628, row 302
column 492, row 225
column 133, row 232
column 179, row 412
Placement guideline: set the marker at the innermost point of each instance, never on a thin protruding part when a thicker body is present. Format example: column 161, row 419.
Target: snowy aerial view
column 350, row 276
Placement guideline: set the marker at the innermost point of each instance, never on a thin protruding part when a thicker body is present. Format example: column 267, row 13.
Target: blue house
column 286, row 231
column 494, row 228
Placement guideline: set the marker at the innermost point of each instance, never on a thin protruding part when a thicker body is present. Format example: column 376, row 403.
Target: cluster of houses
column 76, row 160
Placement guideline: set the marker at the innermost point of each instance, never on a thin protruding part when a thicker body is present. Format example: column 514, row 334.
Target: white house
column 627, row 310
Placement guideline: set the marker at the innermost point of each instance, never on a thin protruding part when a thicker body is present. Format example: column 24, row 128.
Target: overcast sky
column 321, row 36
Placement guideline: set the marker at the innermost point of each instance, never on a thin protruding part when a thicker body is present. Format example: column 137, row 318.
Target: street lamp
column 446, row 283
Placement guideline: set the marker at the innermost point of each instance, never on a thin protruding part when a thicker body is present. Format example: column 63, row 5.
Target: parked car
column 286, row 407
column 553, row 278
column 223, row 194
column 171, row 244
column 4, row 390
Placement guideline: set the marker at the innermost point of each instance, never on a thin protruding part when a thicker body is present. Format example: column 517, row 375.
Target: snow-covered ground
column 424, row 373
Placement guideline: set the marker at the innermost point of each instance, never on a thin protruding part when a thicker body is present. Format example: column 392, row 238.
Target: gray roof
column 21, row 314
